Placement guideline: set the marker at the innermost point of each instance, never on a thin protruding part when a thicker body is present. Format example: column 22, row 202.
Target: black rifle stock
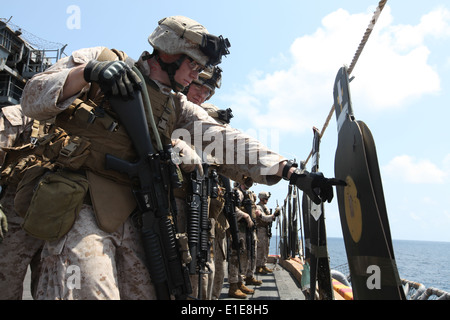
column 269, row 227
column 248, row 204
column 151, row 174
column 198, row 224
column 230, row 215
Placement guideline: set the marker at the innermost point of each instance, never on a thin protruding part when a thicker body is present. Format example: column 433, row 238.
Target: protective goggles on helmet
column 214, row 47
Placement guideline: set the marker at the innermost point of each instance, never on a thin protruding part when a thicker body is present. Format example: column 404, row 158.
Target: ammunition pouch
column 112, row 202
column 17, row 162
column 55, row 203
column 26, row 187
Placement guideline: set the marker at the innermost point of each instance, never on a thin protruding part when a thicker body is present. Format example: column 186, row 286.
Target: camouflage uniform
column 234, row 276
column 198, row 96
column 18, row 249
column 40, row 102
column 247, row 263
column 220, row 251
column 218, row 241
column 263, row 223
column 182, row 227
column 95, row 255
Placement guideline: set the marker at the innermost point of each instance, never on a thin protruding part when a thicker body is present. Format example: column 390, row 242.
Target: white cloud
column 392, row 70
column 410, row 170
column 434, row 24
column 401, row 53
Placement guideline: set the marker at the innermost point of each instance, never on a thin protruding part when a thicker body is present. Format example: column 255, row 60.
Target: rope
column 358, row 52
column 366, row 36
column 325, row 126
column 417, row 291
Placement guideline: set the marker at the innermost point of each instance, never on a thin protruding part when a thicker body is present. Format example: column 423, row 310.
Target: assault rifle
column 202, row 187
column 269, row 227
column 230, row 215
column 153, row 175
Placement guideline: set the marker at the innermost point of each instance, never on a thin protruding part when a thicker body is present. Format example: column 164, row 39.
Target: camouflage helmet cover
column 264, row 195
column 211, row 78
column 182, row 35
column 178, row 34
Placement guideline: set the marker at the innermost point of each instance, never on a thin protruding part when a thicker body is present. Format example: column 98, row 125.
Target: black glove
column 114, row 77
column 277, row 212
column 318, row 188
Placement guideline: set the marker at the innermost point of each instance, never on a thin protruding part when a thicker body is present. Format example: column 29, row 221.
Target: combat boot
column 260, row 270
column 253, row 281
column 266, row 270
column 235, row 292
column 244, row 289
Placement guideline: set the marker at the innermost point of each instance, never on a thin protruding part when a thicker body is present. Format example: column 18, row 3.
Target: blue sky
column 279, row 78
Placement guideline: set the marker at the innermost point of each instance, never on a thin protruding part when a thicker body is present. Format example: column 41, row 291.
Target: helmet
column 211, row 78
column 178, row 34
column 264, row 195
column 247, row 182
column 221, row 116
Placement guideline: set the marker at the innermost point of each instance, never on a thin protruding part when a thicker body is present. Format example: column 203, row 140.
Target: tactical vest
column 87, row 131
column 21, row 155
column 165, row 111
column 110, row 191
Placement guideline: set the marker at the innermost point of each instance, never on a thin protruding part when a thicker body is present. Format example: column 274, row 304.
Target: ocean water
column 425, row 262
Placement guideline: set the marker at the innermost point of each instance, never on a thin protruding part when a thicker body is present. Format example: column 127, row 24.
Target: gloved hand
column 277, row 212
column 114, row 77
column 3, row 224
column 318, row 188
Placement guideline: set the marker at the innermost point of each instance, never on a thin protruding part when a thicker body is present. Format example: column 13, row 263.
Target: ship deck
column 279, row 285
